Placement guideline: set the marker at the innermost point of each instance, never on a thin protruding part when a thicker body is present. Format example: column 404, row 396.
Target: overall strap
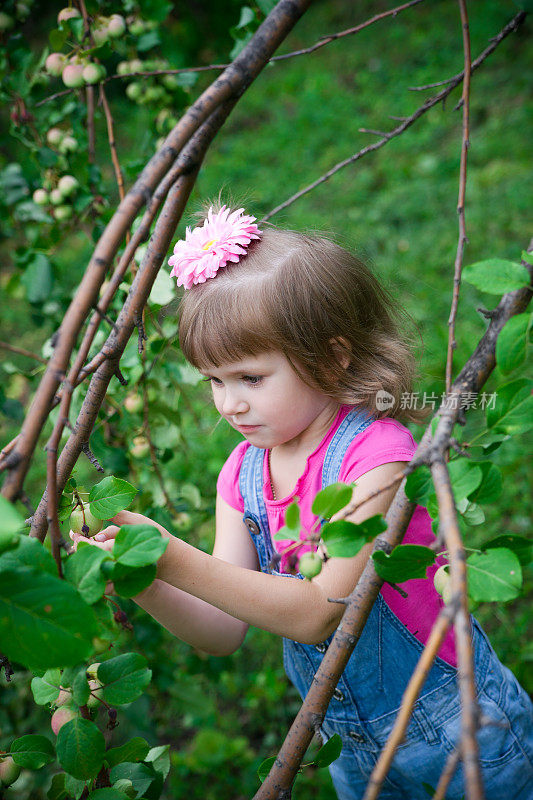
column 353, row 423
column 255, row 513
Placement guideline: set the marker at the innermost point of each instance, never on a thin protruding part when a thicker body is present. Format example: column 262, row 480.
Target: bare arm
column 295, row 609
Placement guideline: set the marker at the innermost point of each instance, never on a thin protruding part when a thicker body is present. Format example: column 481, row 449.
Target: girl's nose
column 233, row 404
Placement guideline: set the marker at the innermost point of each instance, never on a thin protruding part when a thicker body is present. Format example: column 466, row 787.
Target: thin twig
column 448, row 772
column 21, row 352
column 462, row 194
column 112, row 143
column 406, row 121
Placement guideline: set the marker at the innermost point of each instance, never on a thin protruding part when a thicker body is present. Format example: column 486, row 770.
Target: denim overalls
column 369, row 693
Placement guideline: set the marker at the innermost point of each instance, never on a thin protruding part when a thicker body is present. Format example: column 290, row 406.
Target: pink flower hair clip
column 223, row 237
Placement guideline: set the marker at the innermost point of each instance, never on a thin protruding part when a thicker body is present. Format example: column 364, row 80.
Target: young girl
column 302, row 350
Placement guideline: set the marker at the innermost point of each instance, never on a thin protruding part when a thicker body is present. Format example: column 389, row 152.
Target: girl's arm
column 295, row 609
column 190, row 618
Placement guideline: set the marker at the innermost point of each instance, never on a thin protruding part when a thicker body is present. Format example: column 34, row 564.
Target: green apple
column 67, row 13
column 310, row 565
column 67, row 185
column 54, row 136
column 116, row 26
column 441, row 579
column 55, row 64
column 63, row 213
column 9, row 771
column 40, row 197
column 62, row 716
column 83, row 518
column 72, row 76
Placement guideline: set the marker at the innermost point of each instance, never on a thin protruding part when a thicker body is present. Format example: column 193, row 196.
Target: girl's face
column 263, row 398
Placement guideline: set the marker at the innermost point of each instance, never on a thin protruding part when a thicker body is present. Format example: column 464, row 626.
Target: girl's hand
column 105, row 539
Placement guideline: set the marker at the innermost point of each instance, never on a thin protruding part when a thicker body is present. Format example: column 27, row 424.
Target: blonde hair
column 315, row 302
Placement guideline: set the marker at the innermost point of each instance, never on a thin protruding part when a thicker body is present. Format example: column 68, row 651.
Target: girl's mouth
column 246, row 428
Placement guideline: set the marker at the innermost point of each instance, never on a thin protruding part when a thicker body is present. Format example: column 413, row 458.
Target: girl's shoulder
column 228, row 479
column 383, row 441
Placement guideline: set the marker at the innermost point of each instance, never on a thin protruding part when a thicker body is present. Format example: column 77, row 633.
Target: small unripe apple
column 116, row 26
column 63, row 213
column 100, row 34
column 137, row 27
column 141, row 447
column 40, row 197
column 441, row 579
column 310, row 565
column 54, row 136
column 182, row 521
column 123, row 68
column 88, row 525
column 92, row 670
column 136, row 65
column 68, row 144
column 6, row 22
column 134, row 91
column 63, row 698
column 55, row 63
column 67, row 13
column 72, row 76
column 96, row 692
column 9, row 771
column 93, row 73
column 61, row 717
column 56, row 198
column 133, row 403
column 67, row 185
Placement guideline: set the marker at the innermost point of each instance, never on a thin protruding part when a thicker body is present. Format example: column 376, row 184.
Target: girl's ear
column 342, row 351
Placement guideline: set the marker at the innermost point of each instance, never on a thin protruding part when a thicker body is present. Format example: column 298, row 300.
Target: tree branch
column 462, row 194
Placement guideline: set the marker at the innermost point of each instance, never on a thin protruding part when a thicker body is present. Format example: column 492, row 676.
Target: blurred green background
column 397, row 207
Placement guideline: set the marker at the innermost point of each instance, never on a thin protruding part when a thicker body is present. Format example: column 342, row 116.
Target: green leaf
column 11, row 521
column 265, row 767
column 419, row 486
column 465, row 478
column 82, row 569
column 134, row 750
column 283, row 534
column 159, row 758
column 513, row 341
column 496, row 276
column 32, row 751
column 493, row 575
column 407, row 561
column 80, row 748
column 491, row 484
column 141, row 775
column 473, row 514
column 80, row 687
column 46, row 689
column 106, row 794
column 513, row 409
column 163, row 289
column 57, row 790
column 43, row 621
column 292, row 518
column 138, row 545
column 110, row 496
column 521, row 547
column 38, row 278
column 329, row 752
column 130, row 581
column 29, row 553
column 344, row 539
column 124, row 677
column 332, row 499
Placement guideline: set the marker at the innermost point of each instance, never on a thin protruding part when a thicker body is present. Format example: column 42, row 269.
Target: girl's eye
column 253, row 379
column 213, row 380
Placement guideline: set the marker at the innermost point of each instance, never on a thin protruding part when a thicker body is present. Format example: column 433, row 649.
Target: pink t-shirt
column 383, row 441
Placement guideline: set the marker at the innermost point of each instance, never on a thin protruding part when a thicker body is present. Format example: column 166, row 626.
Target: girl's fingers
column 103, row 544
column 107, row 533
